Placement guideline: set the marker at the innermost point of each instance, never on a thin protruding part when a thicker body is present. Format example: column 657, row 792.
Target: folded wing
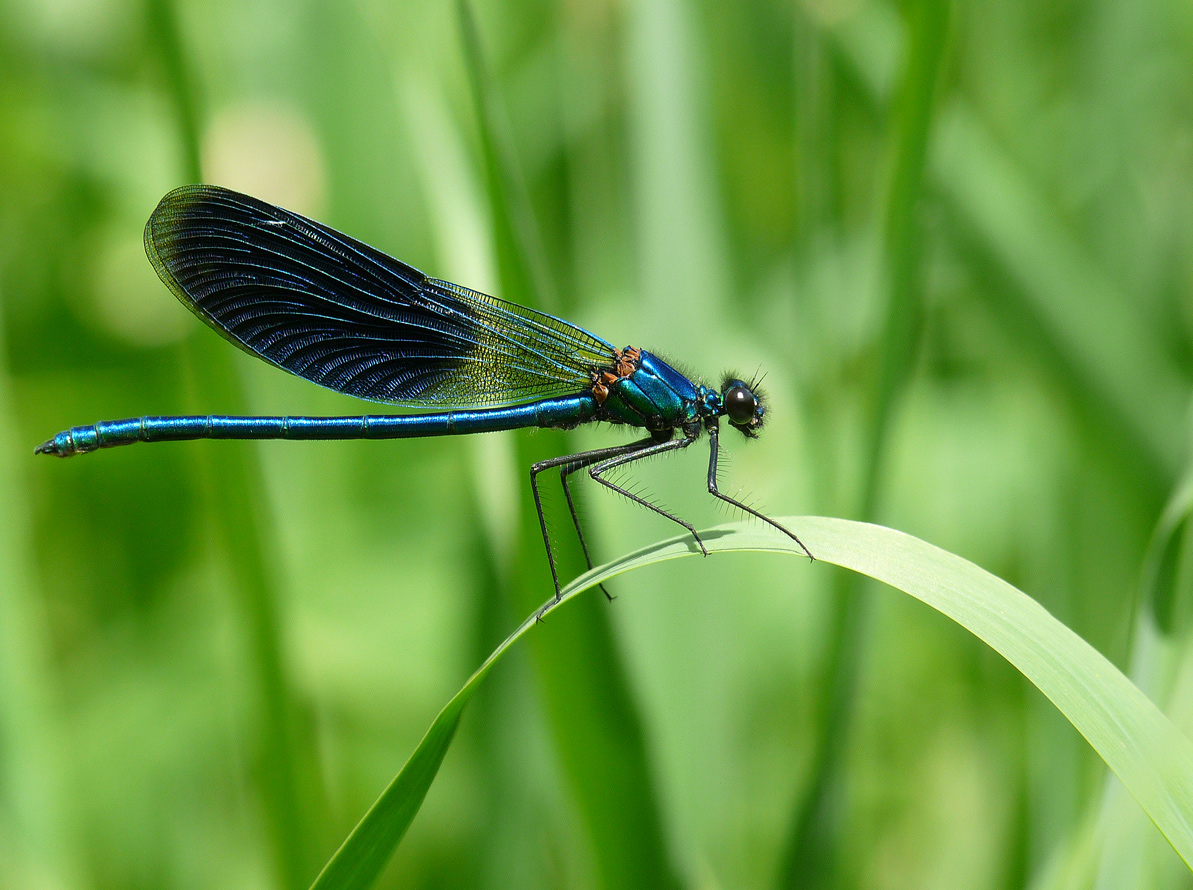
column 339, row 313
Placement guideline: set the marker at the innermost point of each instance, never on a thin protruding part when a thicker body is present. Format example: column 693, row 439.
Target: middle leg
column 597, row 472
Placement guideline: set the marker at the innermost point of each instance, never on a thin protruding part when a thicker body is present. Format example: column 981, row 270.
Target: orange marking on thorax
column 625, row 363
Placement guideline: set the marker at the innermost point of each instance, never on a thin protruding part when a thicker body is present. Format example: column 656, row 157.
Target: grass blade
column 812, row 834
column 35, row 811
column 1111, row 848
column 1145, row 750
column 235, row 496
column 1069, row 310
column 602, row 746
column 519, row 254
column 1160, row 590
column 1093, row 336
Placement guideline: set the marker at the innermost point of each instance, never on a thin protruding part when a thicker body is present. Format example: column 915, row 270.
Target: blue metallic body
column 560, row 413
column 656, row 397
column 334, row 311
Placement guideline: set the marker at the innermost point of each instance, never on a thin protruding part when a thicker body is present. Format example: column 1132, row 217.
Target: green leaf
column 1145, row 750
column 1159, row 587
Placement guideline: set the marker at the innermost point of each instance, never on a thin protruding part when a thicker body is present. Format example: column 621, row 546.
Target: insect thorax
column 640, row 389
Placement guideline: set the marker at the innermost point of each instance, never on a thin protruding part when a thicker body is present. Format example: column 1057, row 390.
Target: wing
column 339, row 313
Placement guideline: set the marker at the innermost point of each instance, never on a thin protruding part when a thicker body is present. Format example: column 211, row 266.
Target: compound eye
column 740, row 405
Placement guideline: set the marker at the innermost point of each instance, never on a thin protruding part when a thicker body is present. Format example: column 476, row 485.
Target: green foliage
column 213, row 658
column 1143, row 747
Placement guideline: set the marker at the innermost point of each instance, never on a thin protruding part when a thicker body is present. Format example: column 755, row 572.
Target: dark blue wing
column 339, row 313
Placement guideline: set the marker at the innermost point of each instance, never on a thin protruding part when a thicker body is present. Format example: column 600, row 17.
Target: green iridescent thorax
column 654, row 396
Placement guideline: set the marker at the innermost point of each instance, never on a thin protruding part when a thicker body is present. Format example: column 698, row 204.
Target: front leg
column 714, row 448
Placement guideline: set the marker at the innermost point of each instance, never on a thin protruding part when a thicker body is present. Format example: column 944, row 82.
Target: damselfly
column 337, row 312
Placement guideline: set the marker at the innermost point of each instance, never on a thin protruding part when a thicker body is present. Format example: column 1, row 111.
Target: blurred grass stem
column 809, row 857
column 598, row 731
column 33, row 762
column 235, row 498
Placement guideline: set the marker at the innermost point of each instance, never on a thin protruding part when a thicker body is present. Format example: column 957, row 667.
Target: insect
column 335, row 311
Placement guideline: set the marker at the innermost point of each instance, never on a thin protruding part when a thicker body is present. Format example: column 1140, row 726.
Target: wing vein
column 333, row 310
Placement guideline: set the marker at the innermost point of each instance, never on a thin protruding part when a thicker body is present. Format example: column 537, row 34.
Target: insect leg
column 597, row 472
column 713, row 434
column 565, row 471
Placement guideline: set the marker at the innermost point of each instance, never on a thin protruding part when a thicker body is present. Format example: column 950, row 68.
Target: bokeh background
column 957, row 238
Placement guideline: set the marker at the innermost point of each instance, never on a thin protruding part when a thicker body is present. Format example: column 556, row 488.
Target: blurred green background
column 959, row 242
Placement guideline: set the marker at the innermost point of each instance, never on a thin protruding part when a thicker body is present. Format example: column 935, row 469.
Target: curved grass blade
column 814, row 832
column 367, row 849
column 602, row 747
column 1145, row 750
column 1160, row 588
